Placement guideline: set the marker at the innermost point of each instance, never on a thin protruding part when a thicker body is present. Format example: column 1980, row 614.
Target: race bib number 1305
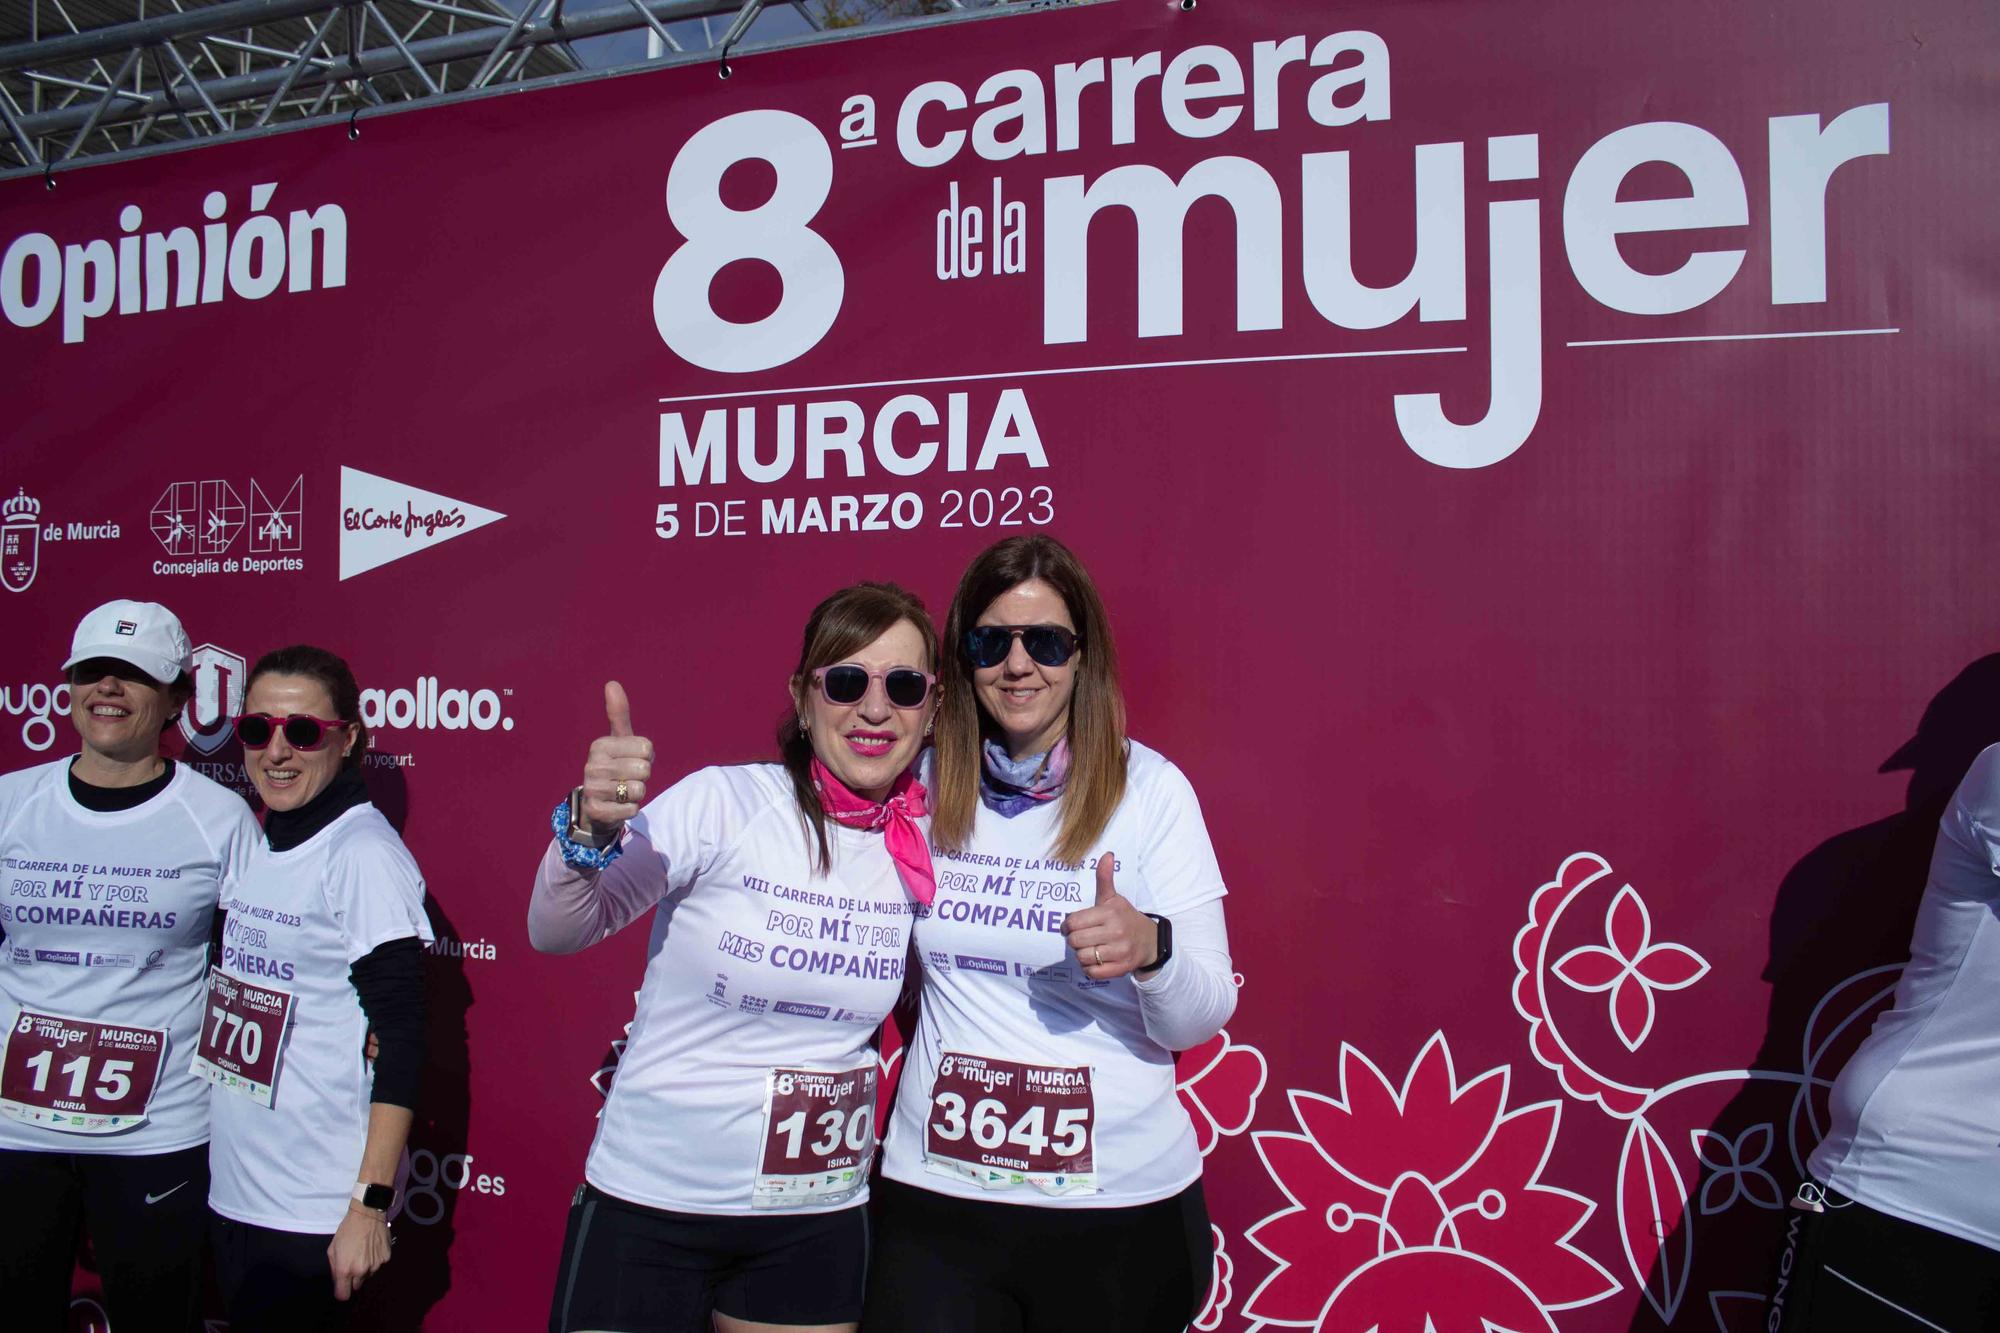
column 1005, row 1125
column 79, row 1076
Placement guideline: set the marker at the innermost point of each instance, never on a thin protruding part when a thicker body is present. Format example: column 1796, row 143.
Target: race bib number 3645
column 1005, row 1125
column 242, row 1036
column 79, row 1076
column 819, row 1134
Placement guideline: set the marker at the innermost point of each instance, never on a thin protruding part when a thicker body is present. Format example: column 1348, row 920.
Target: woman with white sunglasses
column 322, row 945
column 725, row 1188
column 1075, row 944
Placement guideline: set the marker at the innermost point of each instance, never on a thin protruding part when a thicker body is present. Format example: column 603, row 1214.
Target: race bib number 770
column 242, row 1036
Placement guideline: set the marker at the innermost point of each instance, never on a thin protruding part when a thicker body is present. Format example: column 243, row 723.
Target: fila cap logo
column 128, row 627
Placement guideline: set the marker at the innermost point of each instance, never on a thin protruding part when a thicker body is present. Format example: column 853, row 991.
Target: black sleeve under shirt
column 390, row 982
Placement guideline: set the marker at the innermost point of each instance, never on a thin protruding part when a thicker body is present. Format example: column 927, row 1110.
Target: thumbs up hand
column 618, row 767
column 1111, row 937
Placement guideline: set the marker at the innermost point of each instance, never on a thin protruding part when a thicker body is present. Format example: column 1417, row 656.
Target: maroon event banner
column 1537, row 456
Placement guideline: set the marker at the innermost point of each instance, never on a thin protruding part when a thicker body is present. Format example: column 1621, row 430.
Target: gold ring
column 1097, row 955
column 621, row 793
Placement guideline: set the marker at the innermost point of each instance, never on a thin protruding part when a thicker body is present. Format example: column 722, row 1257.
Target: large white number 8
column 776, row 232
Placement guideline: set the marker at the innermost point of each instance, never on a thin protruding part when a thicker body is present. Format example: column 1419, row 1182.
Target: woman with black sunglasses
column 1075, row 944
column 323, row 943
column 114, row 860
column 725, row 1187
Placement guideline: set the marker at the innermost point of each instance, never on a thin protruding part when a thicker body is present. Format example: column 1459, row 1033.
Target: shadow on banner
column 1840, row 933
column 419, row 1274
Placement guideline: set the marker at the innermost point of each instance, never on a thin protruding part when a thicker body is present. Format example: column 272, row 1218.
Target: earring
column 804, row 726
column 929, row 726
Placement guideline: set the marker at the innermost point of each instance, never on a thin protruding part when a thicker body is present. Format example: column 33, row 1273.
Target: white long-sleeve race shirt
column 298, row 922
column 757, row 964
column 1916, row 1112
column 107, row 917
column 1001, row 985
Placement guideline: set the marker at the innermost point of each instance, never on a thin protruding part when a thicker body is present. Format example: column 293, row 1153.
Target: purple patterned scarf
column 1008, row 785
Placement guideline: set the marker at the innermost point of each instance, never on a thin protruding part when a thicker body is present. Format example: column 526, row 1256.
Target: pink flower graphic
column 1211, row 1314
column 1420, row 1209
column 1219, row 1083
column 1631, row 967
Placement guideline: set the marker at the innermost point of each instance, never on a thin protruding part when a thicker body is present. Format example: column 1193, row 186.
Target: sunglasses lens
column 844, row 684
column 1051, row 645
column 304, row 733
column 988, row 645
column 253, row 731
column 906, row 688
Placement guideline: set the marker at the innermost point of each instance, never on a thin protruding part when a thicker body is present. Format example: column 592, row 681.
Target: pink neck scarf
column 897, row 816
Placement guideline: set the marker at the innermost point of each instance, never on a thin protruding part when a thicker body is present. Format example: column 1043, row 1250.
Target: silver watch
column 582, row 831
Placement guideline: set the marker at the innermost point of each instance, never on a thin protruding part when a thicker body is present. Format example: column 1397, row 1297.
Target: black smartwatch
column 377, row 1198
column 1166, row 942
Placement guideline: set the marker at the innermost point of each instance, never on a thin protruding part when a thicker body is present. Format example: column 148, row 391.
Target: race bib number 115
column 79, row 1076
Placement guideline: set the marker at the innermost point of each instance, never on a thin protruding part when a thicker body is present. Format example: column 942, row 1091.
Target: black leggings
column 974, row 1266
column 1852, row 1269
column 143, row 1213
column 632, row 1269
column 274, row 1281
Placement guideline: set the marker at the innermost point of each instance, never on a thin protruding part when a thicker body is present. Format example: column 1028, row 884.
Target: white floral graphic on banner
column 1588, row 934
column 1736, row 1169
column 1217, row 1304
column 1631, row 967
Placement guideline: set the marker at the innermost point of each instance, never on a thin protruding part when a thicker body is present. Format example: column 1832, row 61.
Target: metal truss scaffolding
column 89, row 80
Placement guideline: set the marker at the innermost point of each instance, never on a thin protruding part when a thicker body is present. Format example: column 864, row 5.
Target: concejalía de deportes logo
column 197, row 523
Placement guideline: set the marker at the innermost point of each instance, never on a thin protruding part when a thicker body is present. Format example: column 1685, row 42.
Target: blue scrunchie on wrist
column 574, row 853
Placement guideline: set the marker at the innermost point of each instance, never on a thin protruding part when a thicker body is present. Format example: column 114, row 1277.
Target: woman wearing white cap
column 111, row 863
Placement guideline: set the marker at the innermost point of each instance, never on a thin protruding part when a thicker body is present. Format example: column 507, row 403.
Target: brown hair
column 329, row 671
column 1096, row 705
column 839, row 627
column 178, row 696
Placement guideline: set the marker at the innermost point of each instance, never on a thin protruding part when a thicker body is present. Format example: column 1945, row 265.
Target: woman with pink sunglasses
column 322, row 945
column 726, row 1186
